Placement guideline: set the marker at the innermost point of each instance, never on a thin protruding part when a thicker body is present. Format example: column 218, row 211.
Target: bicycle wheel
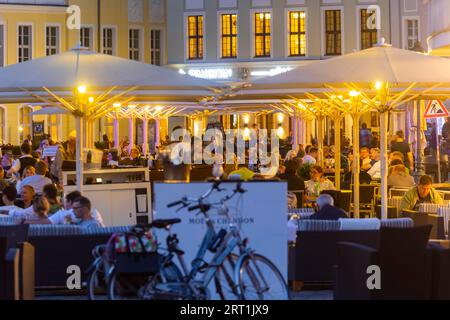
column 124, row 286
column 96, row 284
column 121, row 287
column 260, row 279
column 226, row 288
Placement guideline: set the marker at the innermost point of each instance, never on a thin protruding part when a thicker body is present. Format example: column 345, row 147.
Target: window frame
column 405, row 38
column 187, row 37
column 141, row 42
column 220, row 36
column 31, row 43
column 161, row 45
column 287, row 26
column 58, row 37
column 20, row 119
column 359, row 25
column 113, row 39
column 325, row 31
column 4, row 136
column 253, row 13
column 91, row 36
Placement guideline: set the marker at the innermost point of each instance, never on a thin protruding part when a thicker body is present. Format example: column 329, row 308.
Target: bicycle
column 102, row 272
column 236, row 275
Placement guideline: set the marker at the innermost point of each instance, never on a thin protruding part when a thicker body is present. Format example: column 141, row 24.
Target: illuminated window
column 135, row 45
column 229, row 35
column 155, row 47
column 369, row 36
column 26, row 120
column 108, row 41
column 53, row 124
column 86, row 37
column 51, row 40
column 262, row 34
column 333, row 32
column 195, row 35
column 24, row 44
column 297, row 33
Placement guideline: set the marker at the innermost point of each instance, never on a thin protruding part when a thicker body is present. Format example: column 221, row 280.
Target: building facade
column 132, row 29
column 243, row 40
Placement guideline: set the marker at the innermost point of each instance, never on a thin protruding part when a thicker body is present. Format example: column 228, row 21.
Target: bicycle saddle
column 162, row 224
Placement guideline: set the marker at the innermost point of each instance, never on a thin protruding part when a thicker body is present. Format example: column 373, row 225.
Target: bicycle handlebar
column 205, row 207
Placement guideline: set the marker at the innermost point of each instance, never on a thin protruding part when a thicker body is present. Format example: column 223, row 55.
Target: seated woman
column 40, row 212
column 29, row 171
column 318, row 183
column 399, row 178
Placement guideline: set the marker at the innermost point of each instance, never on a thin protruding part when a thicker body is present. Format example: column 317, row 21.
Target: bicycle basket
column 134, row 252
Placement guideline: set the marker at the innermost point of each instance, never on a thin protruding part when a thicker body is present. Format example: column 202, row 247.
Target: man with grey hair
column 327, row 210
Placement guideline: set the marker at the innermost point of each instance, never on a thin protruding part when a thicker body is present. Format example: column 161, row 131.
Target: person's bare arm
column 411, row 161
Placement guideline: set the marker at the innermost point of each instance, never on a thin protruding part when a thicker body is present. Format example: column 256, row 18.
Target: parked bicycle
column 238, row 271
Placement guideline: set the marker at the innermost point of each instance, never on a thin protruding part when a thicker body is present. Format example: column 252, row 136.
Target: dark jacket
column 329, row 213
column 294, row 181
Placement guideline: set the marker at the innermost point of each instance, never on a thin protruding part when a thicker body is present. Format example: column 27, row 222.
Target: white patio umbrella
column 381, row 77
column 87, row 84
column 49, row 111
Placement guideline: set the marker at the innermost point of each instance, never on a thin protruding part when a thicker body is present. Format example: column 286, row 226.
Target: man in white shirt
column 311, row 157
column 375, row 170
column 39, row 180
column 67, row 215
column 9, row 197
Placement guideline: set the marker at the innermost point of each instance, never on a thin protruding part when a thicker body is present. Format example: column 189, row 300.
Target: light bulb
column 82, row 89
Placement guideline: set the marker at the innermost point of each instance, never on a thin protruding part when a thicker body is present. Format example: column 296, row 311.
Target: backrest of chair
column 366, row 193
column 392, row 212
column 14, row 234
column 397, row 192
column 396, row 241
column 345, row 200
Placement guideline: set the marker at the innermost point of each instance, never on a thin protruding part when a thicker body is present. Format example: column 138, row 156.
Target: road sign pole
column 438, row 151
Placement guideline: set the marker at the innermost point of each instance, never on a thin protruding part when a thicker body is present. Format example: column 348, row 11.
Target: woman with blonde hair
column 41, row 206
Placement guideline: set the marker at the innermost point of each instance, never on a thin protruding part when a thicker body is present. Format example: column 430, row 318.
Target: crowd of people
column 32, row 192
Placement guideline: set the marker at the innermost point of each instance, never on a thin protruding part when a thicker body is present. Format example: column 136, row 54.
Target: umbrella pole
column 158, row 133
column 116, row 133
column 131, row 133
column 320, row 129
column 79, row 153
column 145, row 133
column 356, row 166
column 383, row 162
column 337, row 150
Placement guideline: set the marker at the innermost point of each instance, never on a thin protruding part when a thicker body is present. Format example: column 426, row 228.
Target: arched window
column 53, row 124
column 3, row 125
column 25, row 122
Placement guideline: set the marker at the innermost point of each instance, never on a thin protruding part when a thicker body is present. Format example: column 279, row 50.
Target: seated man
column 327, row 210
column 82, row 209
column 9, row 198
column 37, row 181
column 67, row 215
column 423, row 193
